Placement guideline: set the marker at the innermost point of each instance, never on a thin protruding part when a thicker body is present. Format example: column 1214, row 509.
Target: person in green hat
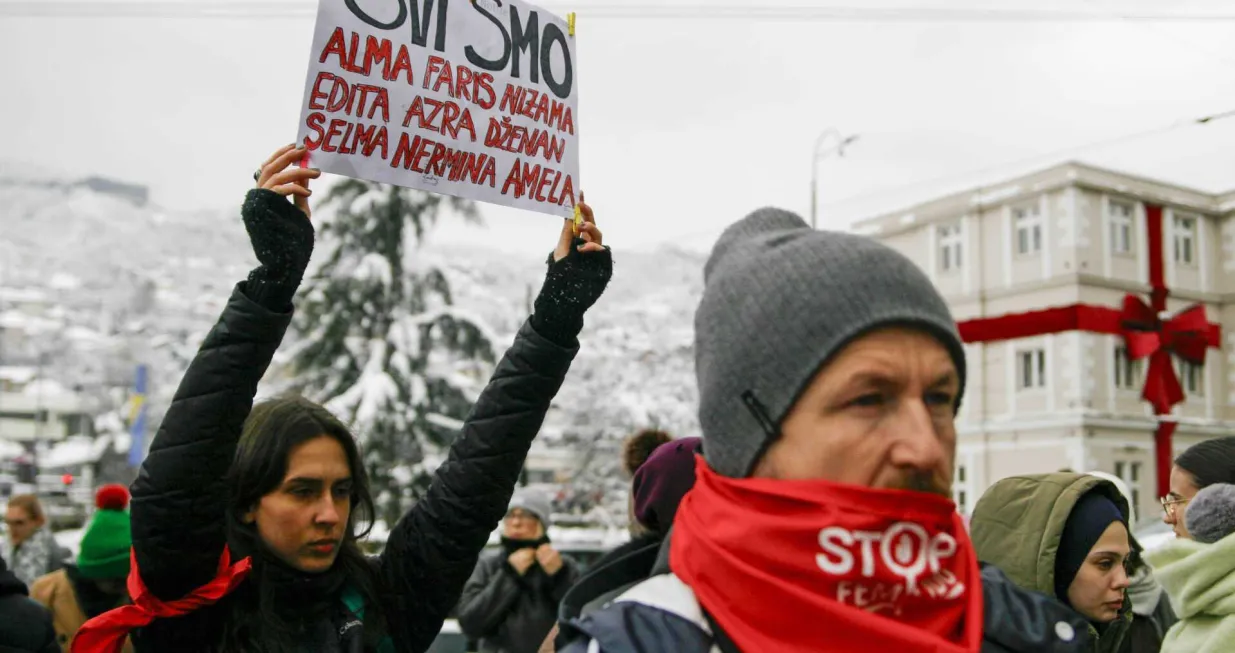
column 96, row 583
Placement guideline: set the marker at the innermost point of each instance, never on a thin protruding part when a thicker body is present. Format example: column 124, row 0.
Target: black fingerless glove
column 282, row 239
column 571, row 286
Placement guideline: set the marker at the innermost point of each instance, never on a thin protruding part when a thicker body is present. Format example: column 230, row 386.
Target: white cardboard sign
column 477, row 99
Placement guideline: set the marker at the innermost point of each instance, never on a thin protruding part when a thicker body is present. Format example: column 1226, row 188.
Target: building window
column 1185, row 240
column 1028, row 223
column 1120, row 216
column 1127, row 371
column 1130, row 473
column 1031, row 369
column 960, row 491
column 1192, row 378
column 950, row 247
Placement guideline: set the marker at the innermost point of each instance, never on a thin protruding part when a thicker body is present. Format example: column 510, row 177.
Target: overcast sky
column 685, row 123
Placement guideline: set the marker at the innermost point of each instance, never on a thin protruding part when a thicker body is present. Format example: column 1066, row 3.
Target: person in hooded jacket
column 1064, row 535
column 1152, row 614
column 1199, row 574
column 510, row 602
column 1203, row 464
column 25, row 626
column 245, row 518
column 821, row 518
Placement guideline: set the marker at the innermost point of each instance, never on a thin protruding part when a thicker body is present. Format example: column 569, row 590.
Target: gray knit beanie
column 535, row 501
column 1210, row 515
column 779, row 300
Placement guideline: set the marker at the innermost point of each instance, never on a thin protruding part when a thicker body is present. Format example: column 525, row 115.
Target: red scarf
column 106, row 632
column 793, row 566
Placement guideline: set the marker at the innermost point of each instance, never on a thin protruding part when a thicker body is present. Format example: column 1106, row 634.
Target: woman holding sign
column 245, row 518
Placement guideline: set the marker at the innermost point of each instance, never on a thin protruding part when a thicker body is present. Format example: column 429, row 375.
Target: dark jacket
column 25, row 626
column 1152, row 615
column 1014, row 621
column 606, row 579
column 180, row 497
column 510, row 613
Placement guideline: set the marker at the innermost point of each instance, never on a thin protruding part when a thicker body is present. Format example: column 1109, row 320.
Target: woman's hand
column 579, row 271
column 274, row 175
column 281, row 236
column 589, row 233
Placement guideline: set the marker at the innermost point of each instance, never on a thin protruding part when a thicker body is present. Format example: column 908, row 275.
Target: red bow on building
column 1145, row 331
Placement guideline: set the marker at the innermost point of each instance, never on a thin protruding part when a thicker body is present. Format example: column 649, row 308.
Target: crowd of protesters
column 813, row 512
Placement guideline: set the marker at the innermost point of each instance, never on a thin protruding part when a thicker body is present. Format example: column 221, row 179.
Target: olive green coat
column 1017, row 526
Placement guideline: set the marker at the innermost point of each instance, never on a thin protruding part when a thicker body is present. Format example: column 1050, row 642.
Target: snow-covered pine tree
column 378, row 340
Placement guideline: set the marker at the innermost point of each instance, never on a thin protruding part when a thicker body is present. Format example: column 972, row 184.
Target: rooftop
column 1069, row 173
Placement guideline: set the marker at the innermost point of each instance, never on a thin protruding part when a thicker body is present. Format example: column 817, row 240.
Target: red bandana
column 106, row 632
column 813, row 566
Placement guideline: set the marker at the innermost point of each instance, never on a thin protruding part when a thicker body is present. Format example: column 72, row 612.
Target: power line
column 1189, row 43
column 998, row 167
column 259, row 9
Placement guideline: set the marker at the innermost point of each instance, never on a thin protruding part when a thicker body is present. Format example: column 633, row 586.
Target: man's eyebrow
column 947, row 378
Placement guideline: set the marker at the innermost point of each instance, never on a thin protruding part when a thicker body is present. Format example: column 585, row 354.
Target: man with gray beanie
column 829, row 372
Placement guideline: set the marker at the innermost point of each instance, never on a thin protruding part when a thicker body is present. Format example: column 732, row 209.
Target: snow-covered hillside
column 144, row 283
column 636, row 366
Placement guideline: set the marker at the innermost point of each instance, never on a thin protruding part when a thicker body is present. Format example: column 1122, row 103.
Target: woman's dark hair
column 1210, row 461
column 273, row 429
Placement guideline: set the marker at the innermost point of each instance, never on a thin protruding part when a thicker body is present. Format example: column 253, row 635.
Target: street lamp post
column 816, row 154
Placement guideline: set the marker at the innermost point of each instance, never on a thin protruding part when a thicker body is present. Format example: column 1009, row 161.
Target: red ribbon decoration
column 1145, row 334
column 106, row 633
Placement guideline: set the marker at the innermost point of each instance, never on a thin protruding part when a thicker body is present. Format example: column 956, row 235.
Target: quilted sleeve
column 434, row 548
column 179, row 497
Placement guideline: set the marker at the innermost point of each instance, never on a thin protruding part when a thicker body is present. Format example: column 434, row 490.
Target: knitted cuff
column 282, row 239
column 571, row 286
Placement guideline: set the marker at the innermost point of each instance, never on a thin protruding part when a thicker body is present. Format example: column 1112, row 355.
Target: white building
column 1073, row 234
column 39, row 412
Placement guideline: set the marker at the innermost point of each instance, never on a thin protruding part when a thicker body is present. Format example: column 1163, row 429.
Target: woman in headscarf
column 1064, row 535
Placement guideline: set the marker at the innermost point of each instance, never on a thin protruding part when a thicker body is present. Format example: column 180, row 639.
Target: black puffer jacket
column 179, row 499
column 25, row 626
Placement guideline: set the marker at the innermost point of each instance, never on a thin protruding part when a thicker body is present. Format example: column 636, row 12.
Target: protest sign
column 476, row 99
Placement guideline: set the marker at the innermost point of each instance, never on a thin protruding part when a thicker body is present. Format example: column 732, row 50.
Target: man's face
column 522, row 525
column 879, row 414
column 20, row 524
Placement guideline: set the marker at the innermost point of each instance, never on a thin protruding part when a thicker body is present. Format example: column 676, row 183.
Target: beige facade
column 1073, row 234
